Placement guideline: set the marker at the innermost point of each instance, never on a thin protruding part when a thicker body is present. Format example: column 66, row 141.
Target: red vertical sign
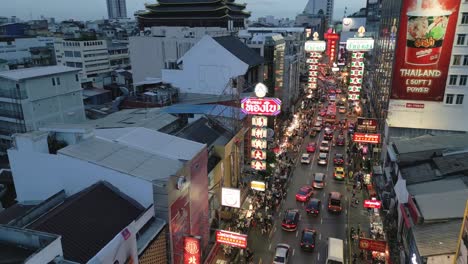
column 332, row 45
column 192, row 250
column 424, row 49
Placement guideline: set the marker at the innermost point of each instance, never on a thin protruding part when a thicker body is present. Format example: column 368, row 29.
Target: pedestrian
column 359, row 229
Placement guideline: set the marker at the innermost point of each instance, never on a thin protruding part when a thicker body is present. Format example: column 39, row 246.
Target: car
column 305, row 159
column 304, row 193
column 290, row 220
column 282, row 253
column 311, row 147
column 328, row 133
column 342, row 110
column 319, row 180
column 322, row 113
column 334, row 202
column 318, row 126
column 322, row 159
column 340, row 102
column 339, row 173
column 338, row 159
column 340, row 140
column 323, row 99
column 313, row 206
column 331, row 91
column 324, row 146
column 308, row 239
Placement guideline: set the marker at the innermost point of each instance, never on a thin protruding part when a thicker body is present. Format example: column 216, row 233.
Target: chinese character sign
column 192, row 251
column 259, row 143
column 356, row 75
column 313, row 70
column 425, row 39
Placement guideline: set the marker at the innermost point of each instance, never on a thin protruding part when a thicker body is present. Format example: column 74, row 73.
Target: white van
column 335, row 251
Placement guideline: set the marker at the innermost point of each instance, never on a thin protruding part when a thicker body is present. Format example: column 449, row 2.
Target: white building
column 162, row 47
column 96, row 58
column 17, row 51
column 209, row 66
column 33, row 97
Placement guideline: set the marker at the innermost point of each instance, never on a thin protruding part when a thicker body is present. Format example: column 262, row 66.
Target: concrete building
column 33, row 97
column 373, row 14
column 21, row 50
column 210, row 66
column 116, row 9
column 150, row 167
column 162, row 47
column 313, row 7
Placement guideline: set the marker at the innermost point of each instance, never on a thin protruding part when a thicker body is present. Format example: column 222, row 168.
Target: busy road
column 325, row 223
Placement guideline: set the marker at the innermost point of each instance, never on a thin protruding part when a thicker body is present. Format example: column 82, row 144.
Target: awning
column 391, row 153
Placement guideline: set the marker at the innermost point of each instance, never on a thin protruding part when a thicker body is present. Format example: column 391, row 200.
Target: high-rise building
column 314, row 6
column 116, row 9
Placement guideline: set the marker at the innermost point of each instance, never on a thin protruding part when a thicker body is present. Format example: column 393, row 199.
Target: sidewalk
column 358, row 217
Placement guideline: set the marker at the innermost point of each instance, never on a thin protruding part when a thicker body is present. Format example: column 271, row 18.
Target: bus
column 330, row 117
column 335, row 251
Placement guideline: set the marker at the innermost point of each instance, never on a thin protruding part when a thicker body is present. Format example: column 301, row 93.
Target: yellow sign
column 257, row 185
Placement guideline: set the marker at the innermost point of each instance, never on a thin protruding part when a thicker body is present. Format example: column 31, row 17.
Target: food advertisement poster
column 425, row 39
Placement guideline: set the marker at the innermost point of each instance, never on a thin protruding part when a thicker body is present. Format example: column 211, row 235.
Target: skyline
column 59, row 9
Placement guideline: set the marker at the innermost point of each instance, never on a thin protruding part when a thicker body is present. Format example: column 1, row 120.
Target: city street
column 326, row 224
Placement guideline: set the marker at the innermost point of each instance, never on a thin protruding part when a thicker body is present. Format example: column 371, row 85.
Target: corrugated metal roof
column 240, row 50
column 213, row 110
column 440, row 186
column 428, row 143
column 438, row 238
column 446, row 205
column 452, row 163
column 29, row 73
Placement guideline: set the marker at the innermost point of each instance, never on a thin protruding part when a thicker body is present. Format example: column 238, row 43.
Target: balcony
column 11, row 114
column 12, row 95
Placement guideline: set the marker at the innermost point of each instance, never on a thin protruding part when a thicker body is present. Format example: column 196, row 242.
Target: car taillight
column 302, row 244
column 312, row 245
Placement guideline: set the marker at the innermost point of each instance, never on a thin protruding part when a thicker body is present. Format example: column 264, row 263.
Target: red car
column 311, row 147
column 340, row 141
column 338, row 91
column 323, row 113
column 331, row 91
column 339, row 159
column 304, row 193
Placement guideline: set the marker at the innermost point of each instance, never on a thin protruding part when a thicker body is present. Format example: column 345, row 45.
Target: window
column 70, row 64
column 465, row 60
column 464, row 19
column 453, row 79
column 461, row 39
column 76, row 78
column 459, row 99
column 463, row 79
column 53, row 82
column 68, row 53
column 456, row 59
column 79, row 65
column 58, row 81
column 77, row 54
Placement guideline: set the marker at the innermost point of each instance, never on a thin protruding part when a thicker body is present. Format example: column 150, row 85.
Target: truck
column 335, row 251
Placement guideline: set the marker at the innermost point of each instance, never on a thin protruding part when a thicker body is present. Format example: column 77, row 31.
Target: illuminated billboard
column 424, row 46
column 230, row 197
column 231, row 239
column 192, row 250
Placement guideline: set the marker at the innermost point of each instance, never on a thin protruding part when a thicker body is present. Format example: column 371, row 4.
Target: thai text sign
column 360, row 44
column 261, row 106
column 257, row 185
column 372, row 204
column 425, row 39
column 372, row 245
column 315, row 45
column 366, row 138
column 231, row 239
column 366, row 125
column 192, row 251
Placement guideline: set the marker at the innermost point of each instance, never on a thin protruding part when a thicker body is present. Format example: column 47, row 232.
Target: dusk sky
column 96, row 9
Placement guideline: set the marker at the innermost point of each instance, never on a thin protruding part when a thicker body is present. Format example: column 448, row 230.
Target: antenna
column 345, row 9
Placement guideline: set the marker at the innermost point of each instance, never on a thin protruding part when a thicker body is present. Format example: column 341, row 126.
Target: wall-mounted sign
column 261, row 106
column 360, row 44
column 230, row 197
column 257, row 185
column 259, row 121
column 259, row 154
column 372, row 245
column 180, row 182
column 315, row 46
column 192, row 251
column 259, row 132
column 372, row 204
column 258, row 165
column 366, row 138
column 332, row 45
column 231, row 239
column 354, row 96
column 366, row 125
column 425, row 40
column 259, row 143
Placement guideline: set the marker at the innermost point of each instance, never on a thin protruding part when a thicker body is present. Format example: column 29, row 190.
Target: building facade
column 33, row 97
column 23, row 51
column 116, row 9
column 314, row 6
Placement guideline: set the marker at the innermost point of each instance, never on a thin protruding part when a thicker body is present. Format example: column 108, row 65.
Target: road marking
column 279, row 214
column 274, row 229
column 320, row 236
column 294, row 250
column 318, row 256
column 346, row 211
column 321, row 220
column 269, row 248
column 297, row 233
column 300, row 216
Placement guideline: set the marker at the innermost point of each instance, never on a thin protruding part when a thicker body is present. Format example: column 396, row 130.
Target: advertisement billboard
column 368, row 125
column 372, row 204
column 231, row 239
column 261, row 106
column 258, row 185
column 372, row 245
column 192, row 250
column 424, row 46
column 366, row 138
column 230, row 197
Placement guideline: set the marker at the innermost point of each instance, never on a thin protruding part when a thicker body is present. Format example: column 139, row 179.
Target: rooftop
column 432, row 143
column 202, row 132
column 438, row 238
column 452, row 163
column 36, row 72
column 206, row 109
column 440, row 186
column 13, row 212
column 444, row 205
column 240, row 50
column 422, row 172
column 88, row 220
